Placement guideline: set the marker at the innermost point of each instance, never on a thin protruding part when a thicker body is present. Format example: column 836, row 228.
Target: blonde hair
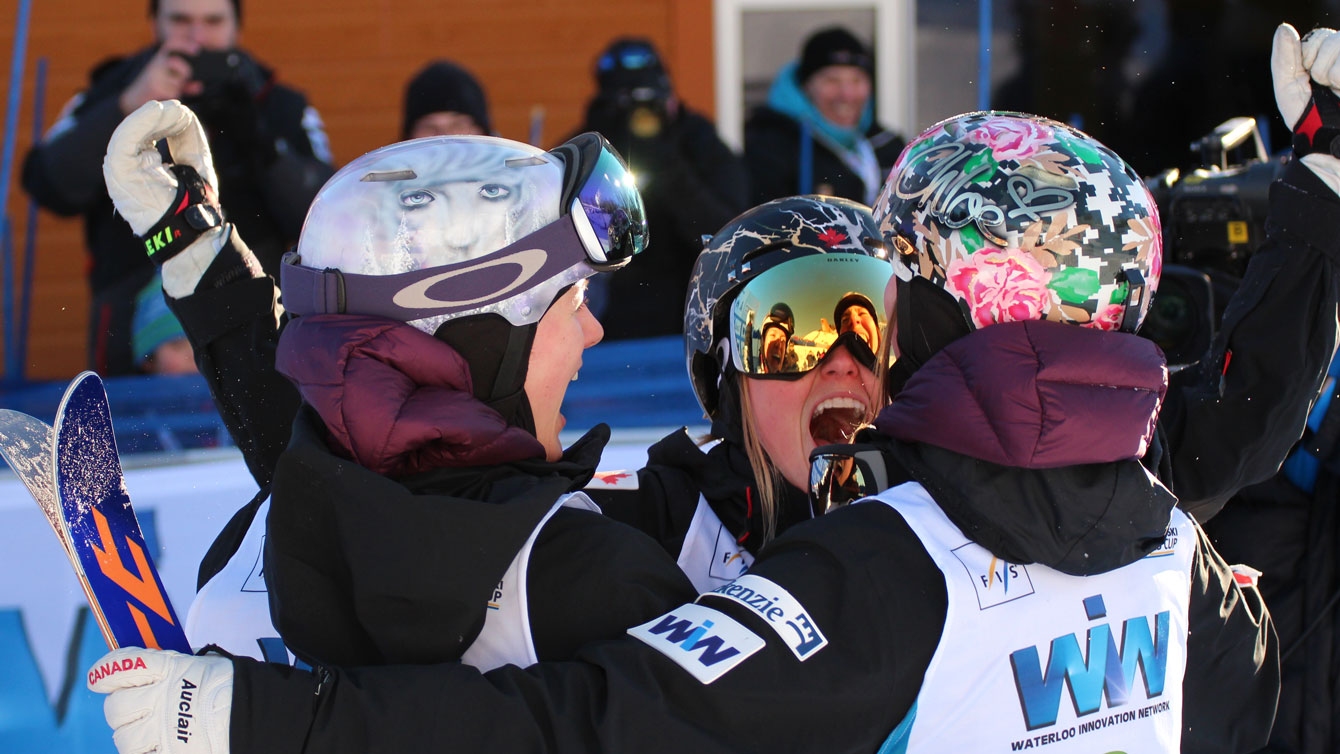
column 768, row 480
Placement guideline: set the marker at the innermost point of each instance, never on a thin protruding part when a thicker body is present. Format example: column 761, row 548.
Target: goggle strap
column 307, row 290
column 1136, row 290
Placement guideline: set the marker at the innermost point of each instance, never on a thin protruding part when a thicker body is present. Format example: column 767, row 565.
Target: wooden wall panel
column 352, row 59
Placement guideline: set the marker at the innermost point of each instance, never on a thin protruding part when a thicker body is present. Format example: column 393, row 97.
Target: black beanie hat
column 833, row 46
column 443, row 87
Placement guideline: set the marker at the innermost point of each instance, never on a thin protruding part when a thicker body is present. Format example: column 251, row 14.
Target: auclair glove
column 165, row 702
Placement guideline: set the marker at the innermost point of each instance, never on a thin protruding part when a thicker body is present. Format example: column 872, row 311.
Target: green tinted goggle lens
column 784, row 321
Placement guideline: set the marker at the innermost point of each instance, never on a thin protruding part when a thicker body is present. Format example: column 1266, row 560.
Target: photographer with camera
column 269, row 144
column 691, row 183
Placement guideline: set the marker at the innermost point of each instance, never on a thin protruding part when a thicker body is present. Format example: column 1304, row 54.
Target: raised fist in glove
column 172, row 208
column 1306, row 75
column 165, row 702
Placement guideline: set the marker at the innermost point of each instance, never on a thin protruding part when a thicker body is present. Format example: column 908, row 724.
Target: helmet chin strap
column 929, row 319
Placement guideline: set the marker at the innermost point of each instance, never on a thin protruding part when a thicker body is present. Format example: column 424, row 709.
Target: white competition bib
column 710, row 556
column 232, row 609
column 505, row 638
column 1032, row 658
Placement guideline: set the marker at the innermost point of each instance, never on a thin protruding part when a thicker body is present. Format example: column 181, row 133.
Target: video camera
column 1213, row 221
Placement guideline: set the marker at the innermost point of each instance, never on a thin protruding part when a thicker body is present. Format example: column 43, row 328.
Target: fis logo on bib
column 783, row 613
column 729, row 559
column 996, row 581
column 703, row 641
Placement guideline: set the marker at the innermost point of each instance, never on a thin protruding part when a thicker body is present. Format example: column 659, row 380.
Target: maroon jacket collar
column 1034, row 395
column 394, row 399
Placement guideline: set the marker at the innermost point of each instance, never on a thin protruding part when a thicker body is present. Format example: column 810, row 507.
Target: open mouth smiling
column 835, row 420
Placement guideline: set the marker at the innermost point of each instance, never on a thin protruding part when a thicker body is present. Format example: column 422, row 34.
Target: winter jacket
column 678, row 475
column 1288, row 529
column 1230, row 420
column 789, row 149
column 859, row 577
column 402, row 500
column 271, row 157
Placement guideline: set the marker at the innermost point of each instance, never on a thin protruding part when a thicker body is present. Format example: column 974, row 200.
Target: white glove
column 142, row 188
column 165, row 702
column 1294, row 64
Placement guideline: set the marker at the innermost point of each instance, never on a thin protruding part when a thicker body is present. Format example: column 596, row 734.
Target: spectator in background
column 691, row 183
column 817, row 133
column 269, row 145
column 444, row 99
column 157, row 340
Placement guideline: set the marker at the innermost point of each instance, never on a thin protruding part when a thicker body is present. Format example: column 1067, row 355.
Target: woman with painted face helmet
column 424, row 509
column 772, row 374
column 951, row 612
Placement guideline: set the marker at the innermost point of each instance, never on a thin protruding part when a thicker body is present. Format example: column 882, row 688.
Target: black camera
column 215, row 68
column 1213, row 221
column 219, row 70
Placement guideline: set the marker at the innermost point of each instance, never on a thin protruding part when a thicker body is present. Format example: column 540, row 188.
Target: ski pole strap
column 1318, row 129
column 187, row 218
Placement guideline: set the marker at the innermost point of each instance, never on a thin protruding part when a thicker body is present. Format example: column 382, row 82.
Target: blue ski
column 74, row 473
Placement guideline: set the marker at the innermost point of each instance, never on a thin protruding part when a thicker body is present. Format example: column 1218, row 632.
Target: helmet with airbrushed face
column 1001, row 217
column 434, row 230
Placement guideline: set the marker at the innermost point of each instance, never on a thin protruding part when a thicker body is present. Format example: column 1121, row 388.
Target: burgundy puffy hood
column 1035, row 395
column 394, row 399
column 1028, row 436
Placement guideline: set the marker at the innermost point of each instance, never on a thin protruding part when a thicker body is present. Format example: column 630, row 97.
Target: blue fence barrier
column 626, row 384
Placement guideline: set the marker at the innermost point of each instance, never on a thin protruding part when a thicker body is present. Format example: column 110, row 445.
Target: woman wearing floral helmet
column 1028, row 584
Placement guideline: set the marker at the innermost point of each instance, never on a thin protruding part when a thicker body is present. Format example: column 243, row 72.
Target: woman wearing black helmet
column 772, row 374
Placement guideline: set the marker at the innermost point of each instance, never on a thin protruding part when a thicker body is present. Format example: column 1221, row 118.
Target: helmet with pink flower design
column 1019, row 217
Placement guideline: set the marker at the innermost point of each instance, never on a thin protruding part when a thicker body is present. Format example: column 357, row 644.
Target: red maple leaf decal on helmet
column 611, row 477
column 832, row 237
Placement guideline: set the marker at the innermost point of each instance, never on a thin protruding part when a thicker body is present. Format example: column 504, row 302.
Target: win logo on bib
column 703, row 641
column 1108, row 671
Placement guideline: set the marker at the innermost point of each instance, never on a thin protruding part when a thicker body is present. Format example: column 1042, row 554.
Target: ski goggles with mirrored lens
column 600, row 194
column 841, row 474
column 784, row 321
column 602, row 225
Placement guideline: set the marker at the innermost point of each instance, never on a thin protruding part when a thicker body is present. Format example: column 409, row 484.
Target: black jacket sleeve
column 63, row 172
column 662, row 506
column 881, row 608
column 1232, row 658
column 576, row 597
column 1231, row 420
column 232, row 322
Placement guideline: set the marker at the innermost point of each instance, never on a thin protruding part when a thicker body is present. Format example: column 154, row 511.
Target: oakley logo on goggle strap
column 416, row 296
